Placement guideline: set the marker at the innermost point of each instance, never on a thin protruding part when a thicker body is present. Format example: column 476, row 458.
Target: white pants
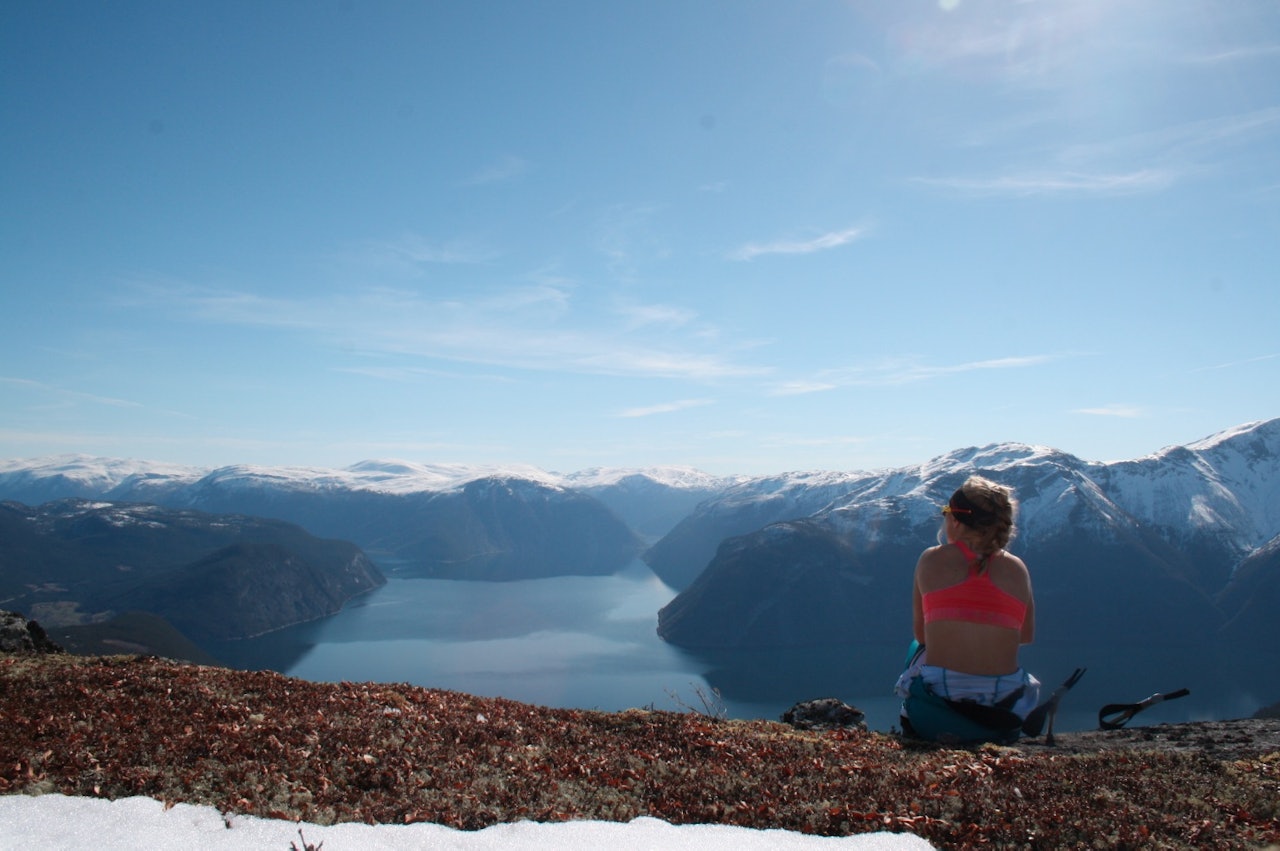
column 987, row 691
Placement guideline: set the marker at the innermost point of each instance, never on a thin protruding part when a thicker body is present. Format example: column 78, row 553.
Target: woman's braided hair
column 993, row 508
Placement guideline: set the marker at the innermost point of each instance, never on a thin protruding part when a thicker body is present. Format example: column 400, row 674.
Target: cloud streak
column 1128, row 412
column 1169, row 154
column 824, row 242
column 71, row 395
column 1050, row 183
column 896, row 372
column 503, row 169
column 531, row 327
column 1236, row 363
column 1238, row 54
column 410, row 254
column 664, row 408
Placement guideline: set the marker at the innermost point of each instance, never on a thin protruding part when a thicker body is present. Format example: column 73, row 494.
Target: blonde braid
column 995, row 528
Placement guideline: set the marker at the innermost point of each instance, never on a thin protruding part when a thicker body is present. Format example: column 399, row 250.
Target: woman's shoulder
column 935, row 555
column 944, row 562
column 1010, row 572
column 1012, row 561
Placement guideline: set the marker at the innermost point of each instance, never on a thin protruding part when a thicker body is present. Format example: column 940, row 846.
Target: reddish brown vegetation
column 269, row 745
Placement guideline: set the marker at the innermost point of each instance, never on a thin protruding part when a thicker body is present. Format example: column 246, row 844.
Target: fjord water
column 591, row 643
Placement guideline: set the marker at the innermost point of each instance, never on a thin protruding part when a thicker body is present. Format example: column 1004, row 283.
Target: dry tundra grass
column 269, row 745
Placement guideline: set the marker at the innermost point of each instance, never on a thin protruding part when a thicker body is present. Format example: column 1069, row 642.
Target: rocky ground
column 269, row 745
column 1244, row 739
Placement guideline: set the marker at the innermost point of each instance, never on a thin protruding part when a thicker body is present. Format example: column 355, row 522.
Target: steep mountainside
column 1143, row 551
column 1252, row 598
column 683, row 552
column 650, row 501
column 75, row 562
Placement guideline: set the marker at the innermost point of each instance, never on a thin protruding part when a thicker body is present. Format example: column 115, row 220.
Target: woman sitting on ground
column 972, row 610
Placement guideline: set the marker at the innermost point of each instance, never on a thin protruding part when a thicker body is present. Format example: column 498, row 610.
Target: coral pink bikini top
column 975, row 600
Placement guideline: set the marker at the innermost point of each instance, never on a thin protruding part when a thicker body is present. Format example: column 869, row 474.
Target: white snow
column 98, row 474
column 682, row 478
column 56, row 822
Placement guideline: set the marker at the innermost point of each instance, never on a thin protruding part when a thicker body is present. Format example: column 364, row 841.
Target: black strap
column 1049, row 709
column 1113, row 716
column 998, row 718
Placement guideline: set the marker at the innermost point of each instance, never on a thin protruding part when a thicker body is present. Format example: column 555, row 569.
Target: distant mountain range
column 1179, row 546
column 80, row 563
column 441, row 521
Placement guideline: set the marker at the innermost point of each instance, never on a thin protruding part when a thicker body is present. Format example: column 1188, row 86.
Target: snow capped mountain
column 1226, row 486
column 1146, row 547
column 385, row 477
column 455, row 521
column 651, row 500
column 681, row 478
column 407, row 496
column 92, row 476
column 1226, row 483
column 408, row 477
column 43, row 479
column 1217, row 498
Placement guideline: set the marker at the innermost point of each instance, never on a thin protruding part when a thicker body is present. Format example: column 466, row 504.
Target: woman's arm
column 1029, row 624
column 917, row 607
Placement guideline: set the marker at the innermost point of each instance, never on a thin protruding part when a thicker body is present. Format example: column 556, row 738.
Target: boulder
column 21, row 636
column 826, row 713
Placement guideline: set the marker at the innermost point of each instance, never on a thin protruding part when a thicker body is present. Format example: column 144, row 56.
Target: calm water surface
column 591, row 643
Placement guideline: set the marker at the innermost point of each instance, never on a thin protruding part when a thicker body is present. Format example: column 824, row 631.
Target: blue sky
column 744, row 236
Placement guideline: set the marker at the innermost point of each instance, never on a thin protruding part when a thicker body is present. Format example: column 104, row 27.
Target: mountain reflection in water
column 591, row 643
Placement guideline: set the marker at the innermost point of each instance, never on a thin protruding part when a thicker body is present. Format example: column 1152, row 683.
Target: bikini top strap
column 969, row 554
column 975, row 561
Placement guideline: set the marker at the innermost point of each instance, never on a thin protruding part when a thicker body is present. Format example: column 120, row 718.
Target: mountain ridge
column 1148, row 548
column 79, row 562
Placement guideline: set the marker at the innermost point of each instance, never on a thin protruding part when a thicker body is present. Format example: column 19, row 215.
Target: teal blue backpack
column 933, row 717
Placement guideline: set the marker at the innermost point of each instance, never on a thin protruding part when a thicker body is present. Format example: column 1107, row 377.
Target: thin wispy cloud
column 1236, row 363
column 1184, row 144
column 410, row 374
column 1246, row 53
column 1050, row 183
column 73, row 441
column 629, row 237
column 664, row 408
column 1179, row 152
column 801, row 388
column 69, row 395
column 530, row 327
column 1019, row 43
column 1127, row 412
column 503, row 169
column 820, row 441
column 409, row 254
column 924, row 373
column 900, row 371
column 665, row 315
column 218, row 305
column 823, row 242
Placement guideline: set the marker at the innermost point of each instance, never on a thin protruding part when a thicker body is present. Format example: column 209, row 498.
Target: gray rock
column 21, row 636
column 826, row 713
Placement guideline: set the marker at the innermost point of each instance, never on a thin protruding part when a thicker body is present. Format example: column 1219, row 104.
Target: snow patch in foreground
column 56, row 822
